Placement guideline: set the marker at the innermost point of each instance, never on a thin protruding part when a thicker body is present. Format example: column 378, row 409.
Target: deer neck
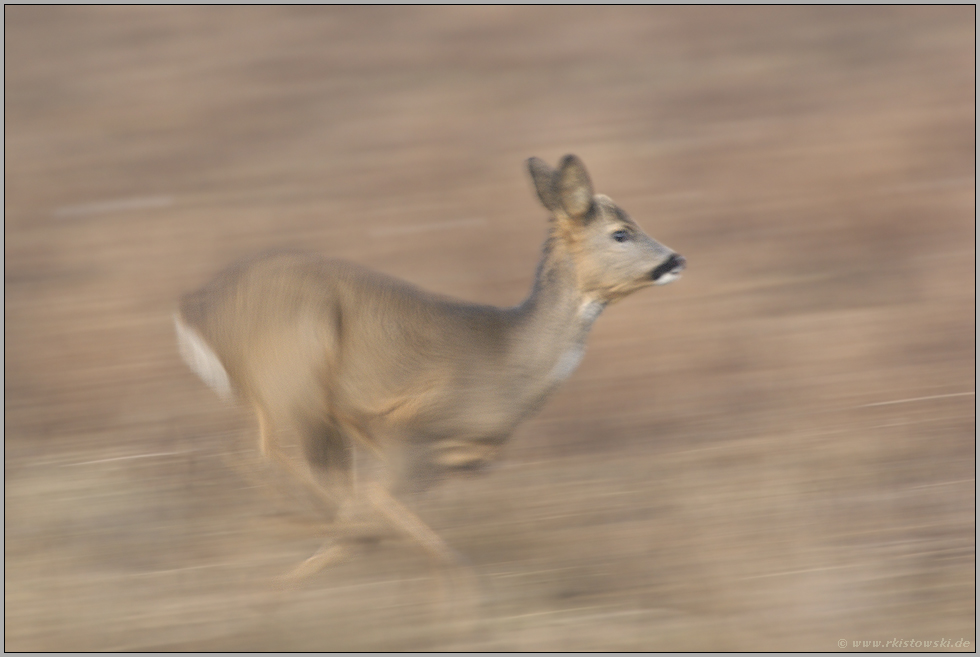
column 548, row 337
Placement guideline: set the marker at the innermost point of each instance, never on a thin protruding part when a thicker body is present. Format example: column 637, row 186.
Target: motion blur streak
column 713, row 476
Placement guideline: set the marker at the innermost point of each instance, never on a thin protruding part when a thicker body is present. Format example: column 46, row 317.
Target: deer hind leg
column 458, row 587
column 410, row 524
column 332, row 454
column 346, row 532
column 326, row 453
column 271, row 449
column 368, row 498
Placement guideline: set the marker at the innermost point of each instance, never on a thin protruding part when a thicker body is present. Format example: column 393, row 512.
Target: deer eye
column 621, row 235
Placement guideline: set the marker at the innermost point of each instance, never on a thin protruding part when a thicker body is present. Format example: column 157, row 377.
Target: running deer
column 344, row 360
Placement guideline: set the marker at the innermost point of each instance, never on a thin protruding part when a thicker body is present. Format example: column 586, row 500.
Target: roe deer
column 346, row 358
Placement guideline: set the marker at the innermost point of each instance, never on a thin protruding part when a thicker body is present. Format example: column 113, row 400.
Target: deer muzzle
column 669, row 269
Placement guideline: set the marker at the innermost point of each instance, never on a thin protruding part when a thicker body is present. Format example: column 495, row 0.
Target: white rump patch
column 201, row 359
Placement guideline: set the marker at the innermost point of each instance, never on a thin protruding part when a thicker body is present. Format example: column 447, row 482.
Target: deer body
column 344, row 356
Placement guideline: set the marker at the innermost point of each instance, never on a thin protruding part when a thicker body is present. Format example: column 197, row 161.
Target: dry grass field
column 775, row 452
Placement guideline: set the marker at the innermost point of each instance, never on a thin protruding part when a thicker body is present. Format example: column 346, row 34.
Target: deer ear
column 574, row 186
column 545, row 182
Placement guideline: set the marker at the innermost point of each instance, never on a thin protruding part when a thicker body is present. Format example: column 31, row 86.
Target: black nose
column 675, row 263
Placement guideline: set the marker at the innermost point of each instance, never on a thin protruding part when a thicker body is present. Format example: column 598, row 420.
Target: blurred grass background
column 774, row 453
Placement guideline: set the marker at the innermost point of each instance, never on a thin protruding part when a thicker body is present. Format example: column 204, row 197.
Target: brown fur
column 344, row 357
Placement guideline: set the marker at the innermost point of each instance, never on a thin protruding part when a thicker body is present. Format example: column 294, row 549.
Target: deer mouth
column 669, row 270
